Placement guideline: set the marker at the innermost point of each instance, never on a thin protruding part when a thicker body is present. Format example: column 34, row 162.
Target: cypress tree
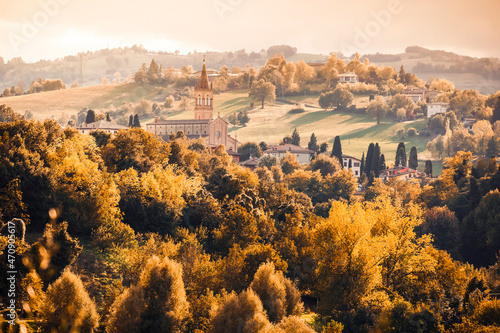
column 428, row 168
column 313, row 143
column 131, row 121
column 349, row 166
column 295, row 138
column 107, row 117
column 137, row 123
column 413, row 163
column 362, row 166
column 375, row 168
column 400, row 155
column 368, row 161
column 337, row 150
column 90, row 117
column 382, row 163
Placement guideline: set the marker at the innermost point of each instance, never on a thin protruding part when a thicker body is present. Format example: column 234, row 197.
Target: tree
column 156, row 304
column 413, row 162
column 375, row 168
column 262, row 91
column 337, row 150
column 90, row 117
column 369, row 157
column 68, row 307
column 279, row 296
column 326, row 165
column 313, row 143
column 428, row 168
column 467, row 102
column 401, row 101
column 249, row 149
column 492, row 148
column 169, row 102
column 243, row 118
column 382, row 162
column 239, row 313
column 289, row 163
column 496, row 111
column 362, row 166
column 137, row 123
column 295, row 137
column 7, row 114
column 400, row 155
column 377, row 108
column 339, row 98
column 131, row 121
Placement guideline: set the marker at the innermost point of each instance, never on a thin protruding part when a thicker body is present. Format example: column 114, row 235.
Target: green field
column 270, row 124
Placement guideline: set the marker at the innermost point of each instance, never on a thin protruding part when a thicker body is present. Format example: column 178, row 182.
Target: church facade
column 213, row 130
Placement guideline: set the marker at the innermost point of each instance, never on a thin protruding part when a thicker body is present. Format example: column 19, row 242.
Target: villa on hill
column 352, row 162
column 303, row 155
column 399, row 172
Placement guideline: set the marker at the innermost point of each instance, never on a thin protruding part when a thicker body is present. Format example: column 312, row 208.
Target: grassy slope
column 270, row 124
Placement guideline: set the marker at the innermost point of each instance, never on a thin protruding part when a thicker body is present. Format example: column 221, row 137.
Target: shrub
column 411, row 131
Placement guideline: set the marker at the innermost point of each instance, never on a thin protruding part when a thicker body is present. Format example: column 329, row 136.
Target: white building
column 303, row 155
column 435, row 108
column 354, row 162
column 102, row 125
column 348, row 77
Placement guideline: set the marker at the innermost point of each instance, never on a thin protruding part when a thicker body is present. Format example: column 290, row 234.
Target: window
column 345, row 164
column 356, row 164
column 356, row 172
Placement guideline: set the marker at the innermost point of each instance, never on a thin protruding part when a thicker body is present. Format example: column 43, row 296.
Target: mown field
column 270, row 124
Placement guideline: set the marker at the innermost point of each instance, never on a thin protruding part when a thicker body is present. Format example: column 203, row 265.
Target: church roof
column 203, row 78
column 183, row 121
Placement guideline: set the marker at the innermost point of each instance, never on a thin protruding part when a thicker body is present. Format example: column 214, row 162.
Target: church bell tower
column 204, row 96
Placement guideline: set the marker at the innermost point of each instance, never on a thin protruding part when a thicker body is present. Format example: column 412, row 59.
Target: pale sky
column 47, row 29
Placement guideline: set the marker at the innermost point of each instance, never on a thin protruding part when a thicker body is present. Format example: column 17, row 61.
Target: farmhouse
column 348, row 77
column 435, row 108
column 354, row 163
column 421, row 94
column 303, row 154
column 213, row 130
column 399, row 172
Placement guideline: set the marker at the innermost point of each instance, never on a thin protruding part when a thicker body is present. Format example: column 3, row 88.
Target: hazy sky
column 47, row 29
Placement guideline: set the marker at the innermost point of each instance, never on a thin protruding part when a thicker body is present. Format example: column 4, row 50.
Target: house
column 102, row 125
column 251, row 163
column 399, row 172
column 213, row 130
column 354, row 162
column 421, row 94
column 303, row 154
column 435, row 108
column 468, row 123
column 348, row 77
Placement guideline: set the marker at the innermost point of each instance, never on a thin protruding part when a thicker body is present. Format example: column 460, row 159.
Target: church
column 213, row 130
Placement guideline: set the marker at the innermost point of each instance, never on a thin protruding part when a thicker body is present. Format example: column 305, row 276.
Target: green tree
column 323, row 148
column 67, row 307
column 137, row 122
column 413, row 162
column 262, row 91
column 295, row 137
column 382, row 162
column 375, row 168
column 156, row 304
column 369, row 157
column 169, row 102
column 243, row 118
column 400, row 155
column 337, row 150
column 377, row 108
column 90, row 117
column 362, row 166
column 248, row 149
column 313, row 143
column 268, row 161
column 339, row 98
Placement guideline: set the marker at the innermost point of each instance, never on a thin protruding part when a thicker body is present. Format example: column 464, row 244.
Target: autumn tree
column 157, row 303
column 325, row 164
column 289, row 163
column 279, row 296
column 339, row 98
column 401, row 101
column 68, row 307
column 263, row 91
column 377, row 108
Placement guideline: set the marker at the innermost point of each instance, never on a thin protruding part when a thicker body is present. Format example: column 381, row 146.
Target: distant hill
column 482, row 74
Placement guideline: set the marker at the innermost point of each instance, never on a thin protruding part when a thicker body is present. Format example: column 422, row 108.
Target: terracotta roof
column 288, row 147
column 351, row 157
column 182, row 121
column 102, row 124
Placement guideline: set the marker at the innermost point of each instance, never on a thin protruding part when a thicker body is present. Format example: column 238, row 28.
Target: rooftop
column 102, row 124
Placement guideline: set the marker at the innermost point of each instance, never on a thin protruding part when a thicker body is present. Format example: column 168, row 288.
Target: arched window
column 208, row 98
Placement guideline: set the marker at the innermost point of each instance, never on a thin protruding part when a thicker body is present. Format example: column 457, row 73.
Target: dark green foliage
column 101, row 137
column 382, row 162
column 362, row 166
column 131, row 121
column 444, row 226
column 492, row 148
column 496, row 112
column 369, row 158
column 295, row 138
column 249, row 149
column 337, row 150
column 375, row 168
column 90, row 117
column 263, row 146
column 323, row 148
column 413, row 162
column 400, row 155
column 137, row 122
column 313, row 143
column 428, row 168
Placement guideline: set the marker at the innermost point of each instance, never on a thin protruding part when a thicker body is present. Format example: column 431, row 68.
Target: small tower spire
column 204, row 77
